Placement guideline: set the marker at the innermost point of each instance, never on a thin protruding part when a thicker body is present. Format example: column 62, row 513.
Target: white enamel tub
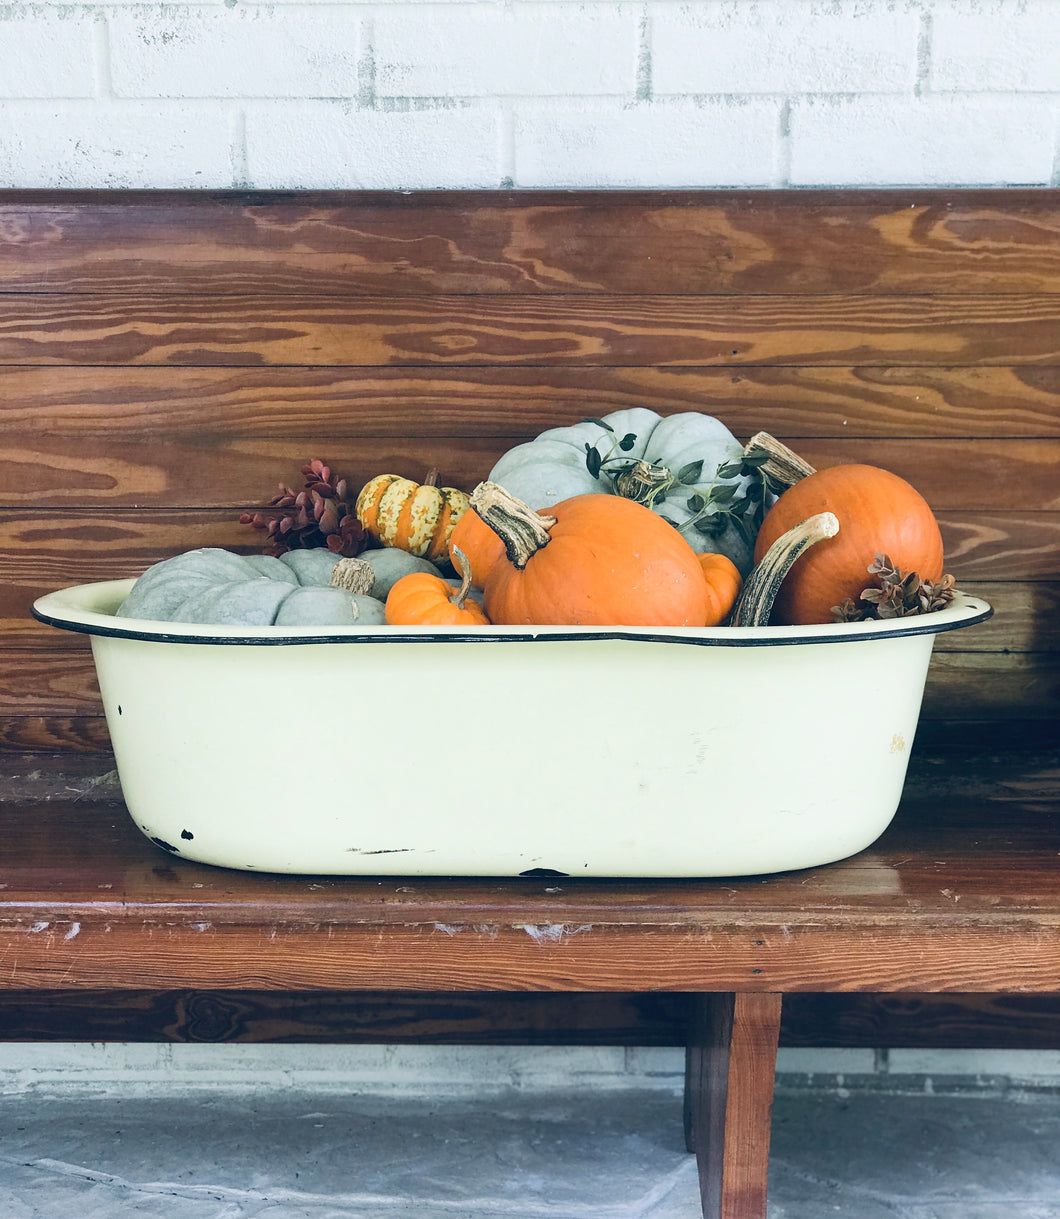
column 586, row 752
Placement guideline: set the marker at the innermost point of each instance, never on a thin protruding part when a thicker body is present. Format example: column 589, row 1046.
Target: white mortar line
column 101, row 58
column 922, row 84
column 237, row 131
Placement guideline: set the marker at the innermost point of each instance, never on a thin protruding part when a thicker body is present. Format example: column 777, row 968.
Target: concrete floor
column 306, row 1154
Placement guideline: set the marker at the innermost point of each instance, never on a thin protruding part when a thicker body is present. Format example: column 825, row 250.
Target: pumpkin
column 638, row 455
column 596, row 560
column 724, row 582
column 877, row 511
column 389, row 565
column 481, row 546
column 318, row 606
column 417, row 517
column 215, row 587
column 424, row 600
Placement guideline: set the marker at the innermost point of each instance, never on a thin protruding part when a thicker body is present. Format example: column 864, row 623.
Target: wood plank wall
column 167, row 358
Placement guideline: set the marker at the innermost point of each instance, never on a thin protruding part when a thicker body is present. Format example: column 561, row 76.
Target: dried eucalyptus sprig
column 714, row 505
column 896, row 595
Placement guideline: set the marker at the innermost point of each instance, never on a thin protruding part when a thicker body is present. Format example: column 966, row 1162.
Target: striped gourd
column 411, row 516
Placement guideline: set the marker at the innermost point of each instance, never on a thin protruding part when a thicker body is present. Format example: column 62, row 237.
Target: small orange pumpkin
column 877, row 512
column 415, row 517
column 421, row 599
column 723, row 586
column 595, row 560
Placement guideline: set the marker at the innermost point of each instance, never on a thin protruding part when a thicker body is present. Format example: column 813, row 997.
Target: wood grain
column 1001, row 545
column 59, row 683
column 1002, row 1022
column 488, row 241
column 222, row 404
column 960, row 894
column 1026, row 619
column 112, row 952
column 377, row 1018
column 166, row 358
column 195, row 472
column 45, row 735
column 729, row 1099
column 521, row 1018
column 970, row 685
column 591, row 331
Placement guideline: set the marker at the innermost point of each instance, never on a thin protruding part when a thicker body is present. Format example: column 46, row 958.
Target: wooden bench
column 166, row 359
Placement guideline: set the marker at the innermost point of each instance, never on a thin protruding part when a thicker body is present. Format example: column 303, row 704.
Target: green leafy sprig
column 714, row 505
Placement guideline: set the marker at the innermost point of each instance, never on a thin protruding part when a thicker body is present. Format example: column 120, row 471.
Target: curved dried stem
column 460, row 562
column 522, row 530
column 755, row 602
column 783, row 466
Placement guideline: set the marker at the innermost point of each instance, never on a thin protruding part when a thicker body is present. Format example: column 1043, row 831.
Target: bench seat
column 960, row 894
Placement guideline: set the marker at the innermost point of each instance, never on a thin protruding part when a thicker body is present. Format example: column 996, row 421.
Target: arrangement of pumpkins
column 629, row 520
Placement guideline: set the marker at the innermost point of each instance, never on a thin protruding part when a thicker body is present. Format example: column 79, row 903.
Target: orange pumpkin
column 877, row 512
column 415, row 517
column 723, row 586
column 596, row 560
column 478, row 541
column 421, row 599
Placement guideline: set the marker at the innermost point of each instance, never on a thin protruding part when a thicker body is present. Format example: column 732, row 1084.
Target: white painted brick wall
column 530, row 93
column 48, row 55
column 783, row 47
column 243, row 52
column 63, row 144
column 996, row 46
column 925, row 140
column 335, row 145
column 482, row 51
column 716, row 142
column 155, row 1071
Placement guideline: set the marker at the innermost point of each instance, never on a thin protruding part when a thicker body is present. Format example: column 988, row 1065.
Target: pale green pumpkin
column 316, row 606
column 556, row 466
column 389, row 564
column 215, row 587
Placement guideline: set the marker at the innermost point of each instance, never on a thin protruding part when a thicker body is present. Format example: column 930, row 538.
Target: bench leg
column 729, row 1069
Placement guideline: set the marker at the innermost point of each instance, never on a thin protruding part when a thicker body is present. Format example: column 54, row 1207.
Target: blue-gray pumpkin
column 646, row 457
column 215, row 587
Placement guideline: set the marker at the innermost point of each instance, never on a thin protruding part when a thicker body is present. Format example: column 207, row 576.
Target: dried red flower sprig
column 897, row 596
column 321, row 514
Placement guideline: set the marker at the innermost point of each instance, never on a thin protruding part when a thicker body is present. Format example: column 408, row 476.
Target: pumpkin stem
column 356, row 576
column 641, row 482
column 522, row 530
column 462, row 565
column 431, row 479
column 755, row 602
column 783, row 466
